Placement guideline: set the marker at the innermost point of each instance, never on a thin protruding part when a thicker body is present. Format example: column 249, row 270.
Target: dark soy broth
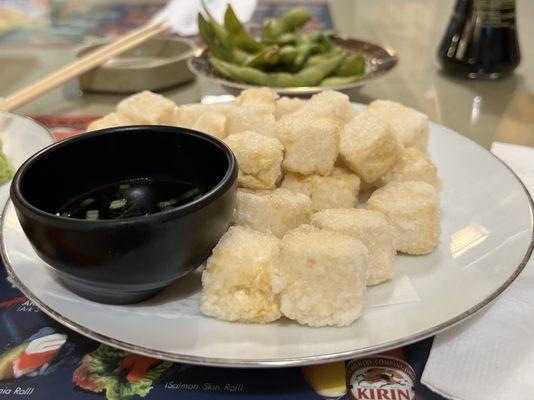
column 132, row 198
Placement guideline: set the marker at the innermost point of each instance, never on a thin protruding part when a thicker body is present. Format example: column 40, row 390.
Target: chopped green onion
column 117, row 204
column 169, row 203
column 92, row 214
column 66, row 214
column 124, row 186
column 88, row 201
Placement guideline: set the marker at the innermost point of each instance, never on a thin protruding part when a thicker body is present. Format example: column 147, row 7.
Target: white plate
column 486, row 239
column 21, row 138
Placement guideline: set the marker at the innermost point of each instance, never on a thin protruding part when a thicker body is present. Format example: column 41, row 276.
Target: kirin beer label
column 380, row 378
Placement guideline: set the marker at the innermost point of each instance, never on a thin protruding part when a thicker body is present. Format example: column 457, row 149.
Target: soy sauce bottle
column 481, row 40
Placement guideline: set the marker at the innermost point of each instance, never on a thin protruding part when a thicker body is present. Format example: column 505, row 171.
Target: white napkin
column 491, row 356
column 182, row 14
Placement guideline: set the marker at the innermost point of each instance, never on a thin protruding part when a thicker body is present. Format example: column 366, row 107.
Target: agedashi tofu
column 287, row 105
column 375, row 232
column 109, row 121
column 147, row 108
column 311, row 144
column 413, row 165
column 409, row 125
column 329, row 104
column 336, row 191
column 212, row 123
column 258, row 97
column 412, row 208
column 259, row 158
column 272, row 211
column 237, row 280
column 321, row 277
column 250, row 118
column 187, row 115
column 368, row 147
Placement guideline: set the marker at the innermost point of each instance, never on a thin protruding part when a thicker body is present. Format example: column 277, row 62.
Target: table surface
column 485, row 111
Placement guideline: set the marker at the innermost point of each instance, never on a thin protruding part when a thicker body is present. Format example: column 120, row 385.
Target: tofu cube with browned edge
column 375, row 232
column 321, row 277
column 409, row 125
column 287, row 105
column 147, row 108
column 413, row 165
column 335, row 191
column 259, row 158
column 258, row 97
column 412, row 208
column 272, row 211
column 212, row 123
column 329, row 104
column 368, row 147
column 187, row 115
column 236, row 284
column 110, row 120
column 250, row 118
column 311, row 144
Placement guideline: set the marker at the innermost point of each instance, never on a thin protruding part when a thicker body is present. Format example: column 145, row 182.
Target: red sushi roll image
column 32, row 357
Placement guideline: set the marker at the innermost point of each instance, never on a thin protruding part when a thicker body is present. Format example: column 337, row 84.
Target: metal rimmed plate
column 21, row 138
column 486, row 239
column 379, row 61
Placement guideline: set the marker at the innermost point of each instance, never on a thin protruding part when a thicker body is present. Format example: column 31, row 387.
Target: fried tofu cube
column 109, row 121
column 236, row 284
column 321, row 277
column 329, row 104
column 335, row 191
column 368, row 147
column 147, row 108
column 413, row 165
column 372, row 228
column 259, row 158
column 250, row 118
column 409, row 125
column 186, row 116
column 412, row 208
column 212, row 123
column 272, row 211
column 258, row 97
column 311, row 144
column 287, row 105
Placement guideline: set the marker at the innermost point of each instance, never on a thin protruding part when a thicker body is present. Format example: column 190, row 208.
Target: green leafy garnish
column 100, row 371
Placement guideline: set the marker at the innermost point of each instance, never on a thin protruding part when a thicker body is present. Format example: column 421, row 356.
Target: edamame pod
column 291, row 20
column 239, row 73
column 238, row 35
column 353, row 64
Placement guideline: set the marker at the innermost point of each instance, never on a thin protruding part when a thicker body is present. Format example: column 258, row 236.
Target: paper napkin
column 491, row 356
column 182, row 14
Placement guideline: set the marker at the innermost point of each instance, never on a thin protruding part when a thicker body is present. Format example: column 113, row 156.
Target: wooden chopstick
column 82, row 65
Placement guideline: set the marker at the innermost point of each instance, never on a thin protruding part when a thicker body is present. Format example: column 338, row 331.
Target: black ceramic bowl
column 120, row 261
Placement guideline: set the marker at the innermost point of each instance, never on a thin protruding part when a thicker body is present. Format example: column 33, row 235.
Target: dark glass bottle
column 481, row 40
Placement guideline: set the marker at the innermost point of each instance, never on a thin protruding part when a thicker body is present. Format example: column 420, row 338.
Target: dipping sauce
column 131, row 198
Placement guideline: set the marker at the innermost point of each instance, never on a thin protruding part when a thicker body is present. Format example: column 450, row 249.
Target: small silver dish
column 379, row 60
column 156, row 64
